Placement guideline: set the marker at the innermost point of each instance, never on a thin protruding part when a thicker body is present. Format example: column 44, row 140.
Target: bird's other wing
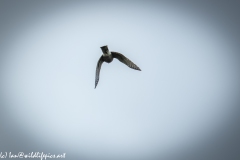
column 125, row 60
column 99, row 64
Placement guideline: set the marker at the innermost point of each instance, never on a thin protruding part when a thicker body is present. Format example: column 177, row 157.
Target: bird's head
column 105, row 49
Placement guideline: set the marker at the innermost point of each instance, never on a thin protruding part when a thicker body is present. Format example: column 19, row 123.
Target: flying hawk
column 108, row 57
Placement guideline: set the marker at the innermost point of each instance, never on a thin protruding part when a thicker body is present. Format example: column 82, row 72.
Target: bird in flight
column 108, row 56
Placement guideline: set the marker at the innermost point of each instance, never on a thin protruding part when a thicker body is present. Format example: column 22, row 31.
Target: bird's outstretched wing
column 125, row 60
column 99, row 64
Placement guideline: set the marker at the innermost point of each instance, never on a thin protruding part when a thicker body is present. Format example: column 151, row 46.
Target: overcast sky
column 180, row 105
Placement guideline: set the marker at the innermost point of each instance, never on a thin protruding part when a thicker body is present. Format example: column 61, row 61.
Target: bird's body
column 108, row 57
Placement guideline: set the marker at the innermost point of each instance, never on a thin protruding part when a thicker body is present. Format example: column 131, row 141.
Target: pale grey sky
column 184, row 95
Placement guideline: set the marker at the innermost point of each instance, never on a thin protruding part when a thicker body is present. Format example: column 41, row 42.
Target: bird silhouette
column 108, row 56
